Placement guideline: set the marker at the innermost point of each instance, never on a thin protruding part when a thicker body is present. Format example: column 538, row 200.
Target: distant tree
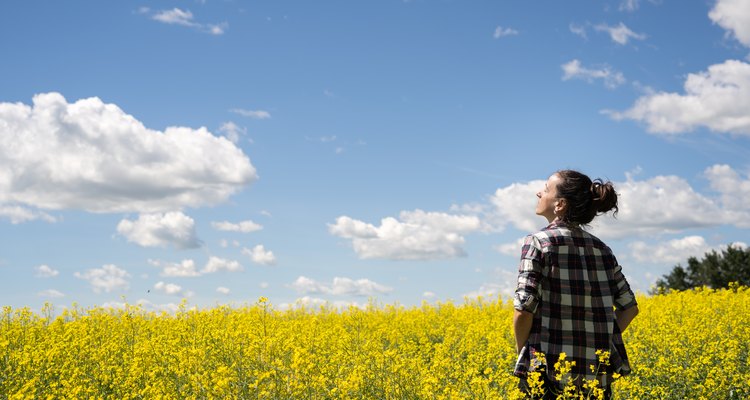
column 715, row 270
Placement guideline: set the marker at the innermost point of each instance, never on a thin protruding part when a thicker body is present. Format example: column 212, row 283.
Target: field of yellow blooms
column 692, row 345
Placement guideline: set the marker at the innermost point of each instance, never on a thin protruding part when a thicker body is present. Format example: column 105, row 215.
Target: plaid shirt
column 571, row 282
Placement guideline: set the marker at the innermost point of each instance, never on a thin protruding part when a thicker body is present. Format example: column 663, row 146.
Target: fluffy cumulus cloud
column 177, row 16
column 185, row 268
column 503, row 285
column 242, row 226
column 512, row 249
column 670, row 252
column 676, row 251
column 575, row 70
column 657, row 205
column 502, row 32
column 662, row 204
column 168, row 288
column 416, row 235
column 107, row 279
column 260, row 255
column 734, row 16
column 161, row 230
column 92, row 156
column 734, row 190
column 619, row 34
column 254, row 114
column 17, row 214
column 51, row 293
column 717, row 99
column 223, row 290
column 515, row 205
column 217, row 264
column 340, row 286
column 45, row 271
column 232, row 131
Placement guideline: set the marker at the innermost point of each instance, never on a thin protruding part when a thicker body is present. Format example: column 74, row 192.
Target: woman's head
column 573, row 197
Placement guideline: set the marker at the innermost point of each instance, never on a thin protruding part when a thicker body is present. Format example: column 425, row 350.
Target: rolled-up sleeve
column 624, row 296
column 527, row 296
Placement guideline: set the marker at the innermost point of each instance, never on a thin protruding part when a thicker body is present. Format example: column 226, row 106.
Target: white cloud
column 168, row 288
column 175, row 16
column 503, row 286
column 429, row 295
column 91, row 156
column 662, row 204
column 44, row 271
column 675, row 251
column 511, row 249
column 340, row 287
column 232, row 131
column 418, row 235
column 260, row 255
column 217, row 29
column 629, row 5
column 734, row 16
column 186, row 268
column 242, row 226
column 734, row 190
column 51, row 293
column 620, row 34
column 322, row 139
column 18, row 214
column 515, row 205
column 263, row 285
column 717, row 99
column 254, row 114
column 670, row 252
column 579, row 30
column 160, row 230
column 223, row 290
column 181, row 17
column 146, row 305
column 502, row 32
column 108, row 278
column 216, row 264
column 574, row 70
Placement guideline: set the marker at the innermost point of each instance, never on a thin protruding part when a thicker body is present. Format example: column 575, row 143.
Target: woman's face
column 548, row 199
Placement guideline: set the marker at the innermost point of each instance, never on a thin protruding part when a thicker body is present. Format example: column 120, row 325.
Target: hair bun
column 603, row 196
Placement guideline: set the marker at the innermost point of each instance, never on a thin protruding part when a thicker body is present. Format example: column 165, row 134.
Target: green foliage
column 715, row 270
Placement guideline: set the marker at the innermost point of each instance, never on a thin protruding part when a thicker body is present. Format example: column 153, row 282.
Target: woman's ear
column 560, row 206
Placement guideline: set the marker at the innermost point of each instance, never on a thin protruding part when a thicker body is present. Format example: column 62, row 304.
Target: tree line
column 715, row 270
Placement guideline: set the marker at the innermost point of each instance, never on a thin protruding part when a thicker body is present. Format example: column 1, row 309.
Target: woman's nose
column 539, row 194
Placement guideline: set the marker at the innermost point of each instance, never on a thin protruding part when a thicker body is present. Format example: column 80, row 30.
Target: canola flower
column 691, row 344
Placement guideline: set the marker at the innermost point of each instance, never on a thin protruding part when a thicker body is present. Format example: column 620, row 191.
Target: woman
column 571, row 297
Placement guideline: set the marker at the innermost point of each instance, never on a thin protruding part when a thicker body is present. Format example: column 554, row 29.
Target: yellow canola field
column 684, row 345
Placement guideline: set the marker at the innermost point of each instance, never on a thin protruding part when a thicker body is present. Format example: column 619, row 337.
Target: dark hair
column 586, row 198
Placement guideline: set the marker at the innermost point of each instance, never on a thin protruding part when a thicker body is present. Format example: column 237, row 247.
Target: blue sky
column 340, row 151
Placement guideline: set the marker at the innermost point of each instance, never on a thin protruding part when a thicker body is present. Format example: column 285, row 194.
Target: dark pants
column 550, row 389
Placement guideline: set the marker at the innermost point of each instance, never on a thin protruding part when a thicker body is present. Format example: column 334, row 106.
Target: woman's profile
column 571, row 297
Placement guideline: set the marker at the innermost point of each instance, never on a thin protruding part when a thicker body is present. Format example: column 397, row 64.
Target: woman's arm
column 522, row 321
column 624, row 317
